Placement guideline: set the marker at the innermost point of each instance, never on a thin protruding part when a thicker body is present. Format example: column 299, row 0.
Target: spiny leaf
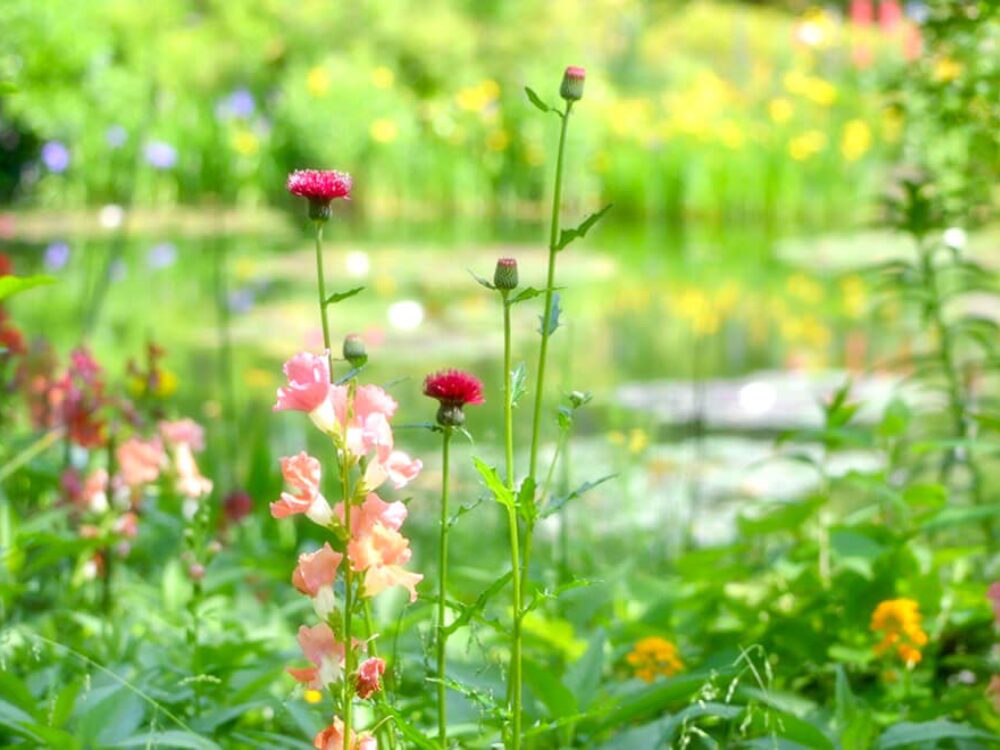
column 566, row 236
column 341, row 296
column 525, row 294
column 492, row 480
column 11, row 285
column 467, row 613
column 526, row 500
column 537, row 100
column 559, row 502
column 518, row 383
column 546, row 594
column 482, row 281
column 553, row 317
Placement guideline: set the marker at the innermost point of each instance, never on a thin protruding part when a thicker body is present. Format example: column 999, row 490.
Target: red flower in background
column 319, row 185
column 6, row 265
column 454, row 388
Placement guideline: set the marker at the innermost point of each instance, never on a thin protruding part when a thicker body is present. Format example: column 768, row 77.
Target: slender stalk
column 321, row 288
column 385, row 730
column 347, row 693
column 442, row 638
column 512, row 523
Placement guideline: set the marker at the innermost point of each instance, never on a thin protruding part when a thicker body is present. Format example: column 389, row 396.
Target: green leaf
column 482, row 280
column 409, row 731
column 584, row 676
column 526, row 500
column 926, row 493
column 960, row 516
column 173, row 738
column 341, row 296
column 584, row 488
column 855, row 725
column 553, row 694
column 537, row 100
column 525, row 294
column 467, row 613
column 518, row 383
column 7, row 87
column 11, row 285
column 493, row 483
column 553, row 317
column 566, row 236
column 909, row 733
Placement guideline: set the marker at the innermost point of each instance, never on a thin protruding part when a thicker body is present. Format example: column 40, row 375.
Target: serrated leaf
column 341, row 296
column 525, row 294
column 554, row 315
column 566, row 236
column 11, row 285
column 467, row 613
column 526, row 500
column 518, row 383
column 560, row 501
column 536, row 100
column 493, row 483
column 482, row 280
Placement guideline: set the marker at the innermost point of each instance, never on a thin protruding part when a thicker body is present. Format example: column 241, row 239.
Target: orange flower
column 654, row 656
column 899, row 623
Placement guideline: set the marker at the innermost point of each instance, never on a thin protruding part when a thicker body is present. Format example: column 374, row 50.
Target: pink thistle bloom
column 368, row 679
column 398, row 468
column 380, row 552
column 302, row 474
column 319, row 646
column 454, row 388
column 308, row 389
column 319, row 184
column 572, row 83
column 140, row 461
column 316, row 570
column 183, row 432
column 332, row 738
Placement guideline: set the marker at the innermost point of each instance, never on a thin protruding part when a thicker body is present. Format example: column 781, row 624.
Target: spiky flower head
column 453, row 389
column 320, row 187
column 505, row 276
column 572, row 84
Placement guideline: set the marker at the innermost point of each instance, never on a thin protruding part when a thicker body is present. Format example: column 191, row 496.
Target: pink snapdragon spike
column 140, row 461
column 183, row 432
column 368, row 428
column 373, row 510
column 302, row 473
column 308, row 389
column 319, row 646
column 368, row 679
column 332, row 738
column 316, row 570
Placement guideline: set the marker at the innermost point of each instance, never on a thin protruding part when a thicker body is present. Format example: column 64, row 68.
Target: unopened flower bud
column 320, row 210
column 450, row 415
column 354, row 350
column 572, row 84
column 196, row 571
column 505, row 276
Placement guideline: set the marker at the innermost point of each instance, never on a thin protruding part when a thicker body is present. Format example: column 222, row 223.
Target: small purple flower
column 240, row 103
column 56, row 256
column 241, row 301
column 161, row 256
column 160, row 155
column 116, row 136
column 55, row 156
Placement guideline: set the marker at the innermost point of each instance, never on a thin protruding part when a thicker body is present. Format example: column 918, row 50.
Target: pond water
column 646, row 312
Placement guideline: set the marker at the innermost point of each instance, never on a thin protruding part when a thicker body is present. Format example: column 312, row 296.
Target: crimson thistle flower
column 320, row 187
column 453, row 389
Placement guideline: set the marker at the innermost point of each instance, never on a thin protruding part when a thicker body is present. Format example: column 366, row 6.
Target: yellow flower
column 804, row 288
column 731, row 134
column 856, row 140
column 898, row 621
column 384, row 130
column 892, row 125
column 697, row 309
column 383, row 77
column 479, row 97
column 780, row 110
column 313, row 696
column 654, row 656
column 497, row 140
column 807, row 145
column 245, row 142
column 317, row 81
column 166, row 384
column 947, row 70
column 638, row 439
column 854, row 295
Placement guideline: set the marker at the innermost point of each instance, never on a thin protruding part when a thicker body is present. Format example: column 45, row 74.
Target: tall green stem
column 442, row 637
column 512, row 523
column 347, row 692
column 321, row 288
column 385, row 730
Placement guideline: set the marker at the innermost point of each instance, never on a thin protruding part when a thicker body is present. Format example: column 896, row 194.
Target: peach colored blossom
column 368, row 427
column 368, row 679
column 332, row 738
column 95, row 491
column 380, row 552
column 316, row 570
column 302, row 473
column 398, row 468
column 373, row 510
column 127, row 525
column 319, row 646
column 190, row 481
column 139, row 461
column 308, row 389
column 183, row 432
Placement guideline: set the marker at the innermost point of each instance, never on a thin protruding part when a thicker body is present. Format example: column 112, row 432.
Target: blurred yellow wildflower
column 856, row 140
column 479, row 97
column 383, row 130
column 313, row 696
column 731, row 134
column 854, row 296
column 638, row 440
column 947, row 69
column 804, row 288
column 497, row 140
column 780, row 110
column 892, row 125
column 257, row 377
column 383, row 77
column 317, row 81
column 807, row 145
column 694, row 306
column 813, row 88
column 245, row 142
column 616, row 437
column 166, row 384
column 899, row 622
column 654, row 656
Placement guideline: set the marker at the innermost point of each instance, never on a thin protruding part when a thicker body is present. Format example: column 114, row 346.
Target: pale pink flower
column 190, row 481
column 380, row 552
column 373, row 510
column 308, row 389
column 302, row 474
column 398, row 468
column 95, row 491
column 183, row 432
column 127, row 525
column 368, row 428
column 139, row 461
column 319, row 646
column 316, row 570
column 368, row 679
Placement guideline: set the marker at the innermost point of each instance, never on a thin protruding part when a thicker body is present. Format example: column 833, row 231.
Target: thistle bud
column 450, row 415
column 354, row 350
column 572, row 84
column 505, row 277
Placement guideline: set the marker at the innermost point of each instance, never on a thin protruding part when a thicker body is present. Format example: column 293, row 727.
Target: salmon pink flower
column 453, row 389
column 308, row 389
column 320, row 187
column 314, row 577
column 398, row 468
column 993, row 594
column 368, row 679
column 183, row 432
column 127, row 525
column 368, row 427
column 332, row 738
column 302, row 474
column 380, row 552
column 374, row 510
column 140, row 461
column 95, row 491
column 319, row 646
